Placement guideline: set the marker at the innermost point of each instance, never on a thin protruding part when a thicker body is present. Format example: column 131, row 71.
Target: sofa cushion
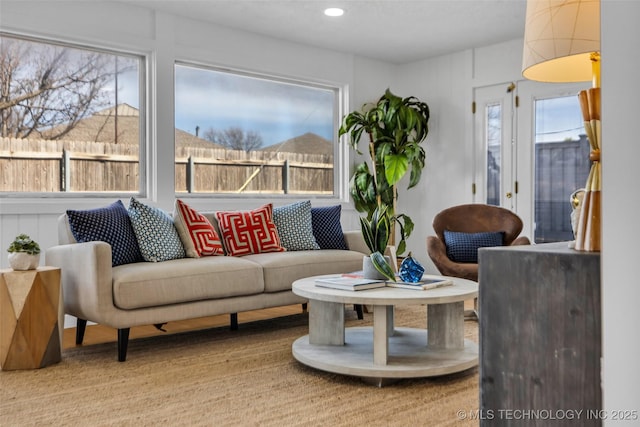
column 282, row 269
column 145, row 284
column 463, row 247
column 249, row 232
column 293, row 223
column 326, row 227
column 157, row 237
column 197, row 234
column 110, row 224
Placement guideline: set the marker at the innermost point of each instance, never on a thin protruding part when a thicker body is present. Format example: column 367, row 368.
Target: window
column 248, row 134
column 70, row 119
column 561, row 165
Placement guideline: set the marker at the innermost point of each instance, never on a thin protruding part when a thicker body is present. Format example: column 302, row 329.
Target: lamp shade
column 559, row 38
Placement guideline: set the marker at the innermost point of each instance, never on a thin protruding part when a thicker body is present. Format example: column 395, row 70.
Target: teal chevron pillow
column 157, row 236
column 293, row 223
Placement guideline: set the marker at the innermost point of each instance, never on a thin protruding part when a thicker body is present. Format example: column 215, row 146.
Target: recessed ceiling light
column 334, row 11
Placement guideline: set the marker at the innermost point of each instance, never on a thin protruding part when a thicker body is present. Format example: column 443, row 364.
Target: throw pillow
column 293, row 223
column 110, row 224
column 157, row 236
column 249, row 232
column 198, row 236
column 327, row 229
column 463, row 247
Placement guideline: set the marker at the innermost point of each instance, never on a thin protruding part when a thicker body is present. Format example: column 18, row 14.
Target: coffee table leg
column 445, row 325
column 382, row 330
column 326, row 323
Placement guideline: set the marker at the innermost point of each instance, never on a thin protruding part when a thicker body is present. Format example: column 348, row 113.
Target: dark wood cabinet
column 540, row 336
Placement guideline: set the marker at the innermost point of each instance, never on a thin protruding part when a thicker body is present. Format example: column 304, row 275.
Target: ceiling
column 397, row 31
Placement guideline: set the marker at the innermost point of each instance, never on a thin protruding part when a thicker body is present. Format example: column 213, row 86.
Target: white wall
column 621, row 228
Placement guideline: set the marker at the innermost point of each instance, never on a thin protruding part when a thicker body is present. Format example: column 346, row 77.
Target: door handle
column 509, row 195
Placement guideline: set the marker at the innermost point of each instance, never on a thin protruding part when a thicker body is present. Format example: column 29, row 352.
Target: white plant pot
column 23, row 261
column 369, row 270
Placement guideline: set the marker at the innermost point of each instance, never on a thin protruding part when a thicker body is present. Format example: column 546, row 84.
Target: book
column 349, row 283
column 425, row 284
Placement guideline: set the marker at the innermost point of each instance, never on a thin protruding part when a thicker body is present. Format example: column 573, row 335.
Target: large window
column 248, row 134
column 70, row 119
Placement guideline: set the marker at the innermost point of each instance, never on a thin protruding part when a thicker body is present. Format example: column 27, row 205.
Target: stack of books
column 356, row 282
column 349, row 283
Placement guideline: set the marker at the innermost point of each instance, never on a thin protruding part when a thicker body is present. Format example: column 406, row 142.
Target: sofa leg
column 81, row 326
column 123, row 343
column 304, row 307
column 358, row 309
column 233, row 321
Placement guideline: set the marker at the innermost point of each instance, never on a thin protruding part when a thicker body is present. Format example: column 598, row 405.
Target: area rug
column 218, row 377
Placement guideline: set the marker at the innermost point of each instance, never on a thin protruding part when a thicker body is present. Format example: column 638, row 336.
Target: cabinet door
column 540, row 333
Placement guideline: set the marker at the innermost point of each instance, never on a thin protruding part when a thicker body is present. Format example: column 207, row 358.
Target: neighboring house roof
column 308, row 143
column 101, row 126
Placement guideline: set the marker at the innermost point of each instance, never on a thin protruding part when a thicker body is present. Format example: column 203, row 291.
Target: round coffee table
column 383, row 353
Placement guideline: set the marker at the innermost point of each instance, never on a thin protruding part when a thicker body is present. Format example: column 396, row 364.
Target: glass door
column 531, row 153
column 495, row 145
column 558, row 163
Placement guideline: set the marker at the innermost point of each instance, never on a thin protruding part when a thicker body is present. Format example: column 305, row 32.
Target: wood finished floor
column 96, row 334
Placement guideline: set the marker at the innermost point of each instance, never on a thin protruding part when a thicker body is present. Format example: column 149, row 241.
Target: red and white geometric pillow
column 249, row 232
column 198, row 236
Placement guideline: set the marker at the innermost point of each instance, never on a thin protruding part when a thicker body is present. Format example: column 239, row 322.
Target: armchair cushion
column 463, row 247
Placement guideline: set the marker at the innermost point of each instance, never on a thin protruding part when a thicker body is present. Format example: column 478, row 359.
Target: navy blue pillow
column 463, row 247
column 110, row 224
column 325, row 223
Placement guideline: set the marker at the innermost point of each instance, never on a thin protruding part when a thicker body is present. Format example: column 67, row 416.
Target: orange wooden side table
column 30, row 318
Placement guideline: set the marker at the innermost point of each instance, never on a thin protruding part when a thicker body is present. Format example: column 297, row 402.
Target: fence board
column 30, row 165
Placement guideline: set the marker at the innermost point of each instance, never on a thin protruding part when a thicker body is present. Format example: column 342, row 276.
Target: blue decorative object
column 411, row 271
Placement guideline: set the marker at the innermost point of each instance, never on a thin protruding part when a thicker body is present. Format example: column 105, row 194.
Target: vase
column 23, row 261
column 369, row 270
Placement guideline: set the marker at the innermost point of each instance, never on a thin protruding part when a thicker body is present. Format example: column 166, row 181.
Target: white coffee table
column 383, row 353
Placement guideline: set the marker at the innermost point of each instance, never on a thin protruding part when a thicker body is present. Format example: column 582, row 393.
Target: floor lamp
column 562, row 44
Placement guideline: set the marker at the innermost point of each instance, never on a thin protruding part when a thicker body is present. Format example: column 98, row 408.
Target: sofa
column 155, row 292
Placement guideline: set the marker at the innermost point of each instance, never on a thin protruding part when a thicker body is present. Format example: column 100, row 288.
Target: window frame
column 340, row 147
column 9, row 198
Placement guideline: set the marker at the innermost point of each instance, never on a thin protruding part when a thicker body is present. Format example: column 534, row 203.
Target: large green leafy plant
column 396, row 126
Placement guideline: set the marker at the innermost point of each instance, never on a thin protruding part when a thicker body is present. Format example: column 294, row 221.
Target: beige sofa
column 154, row 293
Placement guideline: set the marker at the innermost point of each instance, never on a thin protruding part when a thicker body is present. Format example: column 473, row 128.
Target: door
column 531, row 153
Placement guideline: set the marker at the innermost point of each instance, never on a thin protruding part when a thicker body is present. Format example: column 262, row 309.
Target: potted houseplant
column 24, row 253
column 396, row 126
column 376, row 231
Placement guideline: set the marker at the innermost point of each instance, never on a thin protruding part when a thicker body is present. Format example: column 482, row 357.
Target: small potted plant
column 376, row 232
column 24, row 253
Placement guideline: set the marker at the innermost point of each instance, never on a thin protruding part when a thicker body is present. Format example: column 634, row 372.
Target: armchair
column 471, row 218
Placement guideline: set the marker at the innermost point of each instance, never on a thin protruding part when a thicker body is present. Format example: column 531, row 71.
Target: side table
column 30, row 318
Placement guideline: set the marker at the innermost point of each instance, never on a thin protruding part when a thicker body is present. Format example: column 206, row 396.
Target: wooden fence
column 74, row 166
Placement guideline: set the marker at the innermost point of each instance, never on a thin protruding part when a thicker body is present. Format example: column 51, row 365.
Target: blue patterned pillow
column 463, row 247
column 157, row 236
column 327, row 228
column 293, row 223
column 110, row 224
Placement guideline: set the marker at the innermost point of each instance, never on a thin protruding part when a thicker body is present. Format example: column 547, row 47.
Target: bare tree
column 234, row 138
column 46, row 89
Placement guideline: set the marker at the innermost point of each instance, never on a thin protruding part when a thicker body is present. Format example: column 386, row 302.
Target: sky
column 276, row 110
column 210, row 99
column 558, row 119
